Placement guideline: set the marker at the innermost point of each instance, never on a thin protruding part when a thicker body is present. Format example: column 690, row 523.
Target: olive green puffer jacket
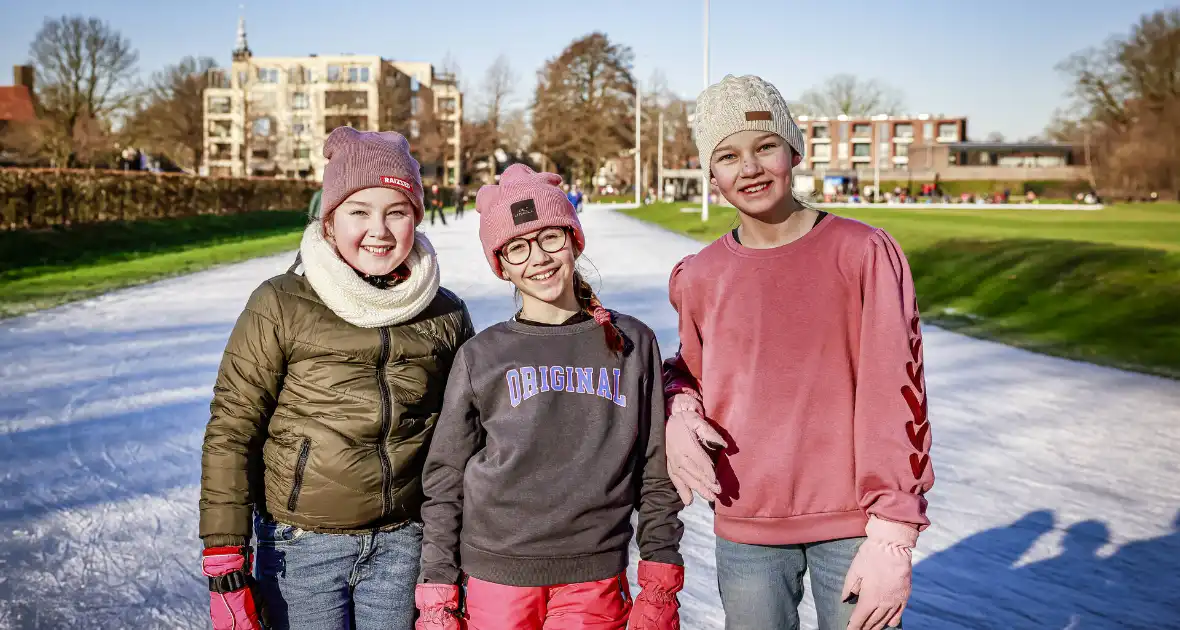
column 319, row 423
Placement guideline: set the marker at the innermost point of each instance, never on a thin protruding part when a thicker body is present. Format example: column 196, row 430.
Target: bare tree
column 848, row 95
column 498, row 86
column 171, row 122
column 85, row 68
column 995, row 136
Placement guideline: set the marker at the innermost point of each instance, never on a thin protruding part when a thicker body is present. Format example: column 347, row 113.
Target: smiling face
column 373, row 229
column 752, row 169
column 541, row 265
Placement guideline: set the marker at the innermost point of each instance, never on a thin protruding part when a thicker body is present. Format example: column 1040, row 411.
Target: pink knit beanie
column 524, row 201
column 369, row 159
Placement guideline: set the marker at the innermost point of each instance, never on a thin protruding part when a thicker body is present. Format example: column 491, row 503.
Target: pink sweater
column 808, row 358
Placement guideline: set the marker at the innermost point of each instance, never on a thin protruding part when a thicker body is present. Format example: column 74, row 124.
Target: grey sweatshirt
column 546, row 443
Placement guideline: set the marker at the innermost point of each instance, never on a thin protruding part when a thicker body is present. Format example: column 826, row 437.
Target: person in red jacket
column 550, row 437
column 801, row 368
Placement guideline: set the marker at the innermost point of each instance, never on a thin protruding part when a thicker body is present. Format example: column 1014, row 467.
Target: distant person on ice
column 551, row 435
column 801, row 364
column 326, row 398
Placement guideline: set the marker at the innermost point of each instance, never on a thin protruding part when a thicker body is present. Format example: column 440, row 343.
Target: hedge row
column 40, row 198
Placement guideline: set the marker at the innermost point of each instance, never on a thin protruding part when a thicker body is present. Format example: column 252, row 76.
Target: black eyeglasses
column 551, row 240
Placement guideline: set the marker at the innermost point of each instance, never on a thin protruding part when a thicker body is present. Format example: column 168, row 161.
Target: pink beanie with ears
column 524, row 201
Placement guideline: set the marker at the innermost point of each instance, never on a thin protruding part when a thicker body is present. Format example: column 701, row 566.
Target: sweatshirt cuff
column 224, row 540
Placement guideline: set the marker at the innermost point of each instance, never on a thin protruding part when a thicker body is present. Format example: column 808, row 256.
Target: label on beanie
column 757, row 116
column 524, row 211
column 398, row 182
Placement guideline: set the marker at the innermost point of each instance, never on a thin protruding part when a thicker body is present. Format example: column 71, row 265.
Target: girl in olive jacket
column 324, row 405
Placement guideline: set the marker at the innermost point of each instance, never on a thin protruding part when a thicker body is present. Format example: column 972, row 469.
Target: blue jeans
column 311, row 581
column 762, row 585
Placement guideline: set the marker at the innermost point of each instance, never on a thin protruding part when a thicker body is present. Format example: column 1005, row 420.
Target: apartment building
column 846, row 143
column 269, row 116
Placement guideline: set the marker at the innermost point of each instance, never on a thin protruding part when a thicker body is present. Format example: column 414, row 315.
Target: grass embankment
column 43, row 268
column 1100, row 286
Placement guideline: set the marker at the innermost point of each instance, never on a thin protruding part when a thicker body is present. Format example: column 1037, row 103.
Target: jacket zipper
column 386, row 421
column 304, row 452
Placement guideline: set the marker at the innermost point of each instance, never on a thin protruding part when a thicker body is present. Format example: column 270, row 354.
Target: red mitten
column 438, row 607
column 656, row 608
column 232, row 605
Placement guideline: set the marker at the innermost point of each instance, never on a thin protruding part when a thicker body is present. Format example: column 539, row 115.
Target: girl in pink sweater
column 801, row 368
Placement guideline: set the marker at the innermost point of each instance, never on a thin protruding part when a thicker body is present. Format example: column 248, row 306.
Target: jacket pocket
column 300, row 466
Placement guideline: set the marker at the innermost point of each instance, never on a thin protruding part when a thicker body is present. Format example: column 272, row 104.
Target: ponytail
column 591, row 305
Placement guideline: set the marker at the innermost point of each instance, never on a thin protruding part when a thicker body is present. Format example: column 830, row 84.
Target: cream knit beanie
column 739, row 103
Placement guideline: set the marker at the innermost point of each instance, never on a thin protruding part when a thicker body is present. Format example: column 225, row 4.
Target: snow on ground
column 1057, row 501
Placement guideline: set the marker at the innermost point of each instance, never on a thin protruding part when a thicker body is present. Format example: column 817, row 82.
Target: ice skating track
column 1057, row 501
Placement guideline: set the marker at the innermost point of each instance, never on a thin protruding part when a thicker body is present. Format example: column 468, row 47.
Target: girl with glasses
column 552, row 433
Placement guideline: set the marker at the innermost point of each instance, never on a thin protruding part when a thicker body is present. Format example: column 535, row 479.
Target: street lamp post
column 638, row 117
column 705, row 167
column 660, row 158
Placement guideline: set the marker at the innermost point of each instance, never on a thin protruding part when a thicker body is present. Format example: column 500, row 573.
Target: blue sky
column 991, row 61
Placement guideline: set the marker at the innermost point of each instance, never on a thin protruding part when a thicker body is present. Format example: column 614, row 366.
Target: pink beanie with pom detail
column 524, row 201
column 369, row 159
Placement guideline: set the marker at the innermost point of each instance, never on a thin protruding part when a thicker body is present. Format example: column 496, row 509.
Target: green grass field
column 1100, row 286
column 43, row 268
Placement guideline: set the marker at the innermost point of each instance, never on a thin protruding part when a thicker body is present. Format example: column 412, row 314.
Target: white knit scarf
column 358, row 302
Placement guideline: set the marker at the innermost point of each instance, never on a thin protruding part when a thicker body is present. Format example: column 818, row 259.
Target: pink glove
column 690, row 466
column 232, row 604
column 880, row 575
column 656, row 608
column 438, row 607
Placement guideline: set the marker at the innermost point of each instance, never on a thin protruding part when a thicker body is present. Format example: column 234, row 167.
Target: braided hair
column 591, row 305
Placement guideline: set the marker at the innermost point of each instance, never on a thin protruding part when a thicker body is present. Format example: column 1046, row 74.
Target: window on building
column 221, row 151
column 356, row 122
column 300, row 128
column 415, row 131
column 821, row 151
column 447, row 105
column 302, row 153
column 261, row 154
column 333, row 73
column 299, row 100
column 261, row 127
column 268, row 75
column 902, row 150
column 220, row 128
column 219, row 105
column 821, row 132
column 414, row 84
column 358, row 74
column 218, row 79
column 903, row 130
column 928, row 131
column 948, row 131
column 346, row 98
column 862, row 149
column 243, row 76
column 415, row 105
column 862, row 130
